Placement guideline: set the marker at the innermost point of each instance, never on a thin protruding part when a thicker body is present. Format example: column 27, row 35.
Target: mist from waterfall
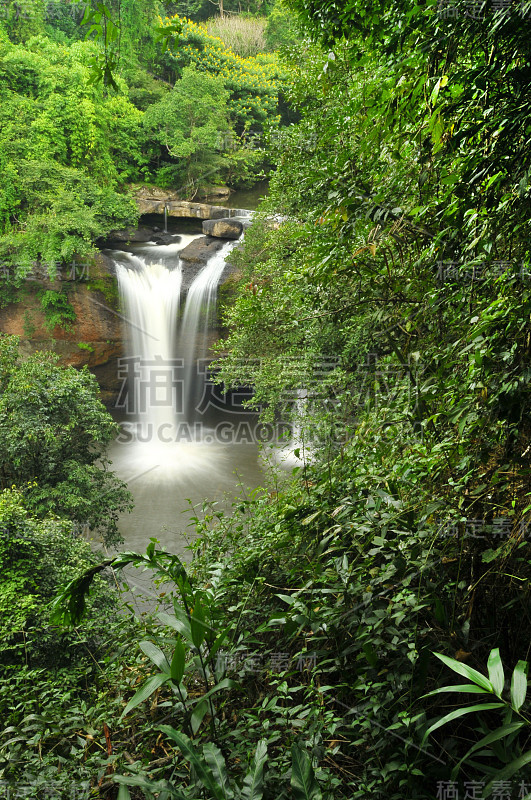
column 162, row 388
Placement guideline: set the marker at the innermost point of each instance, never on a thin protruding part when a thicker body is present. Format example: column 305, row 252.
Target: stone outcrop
column 195, row 255
column 179, row 208
column 215, row 192
column 152, row 200
column 223, row 228
column 139, row 235
column 95, row 338
column 198, row 252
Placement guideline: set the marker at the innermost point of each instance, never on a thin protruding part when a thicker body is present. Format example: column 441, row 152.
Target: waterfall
column 190, row 461
column 193, row 342
column 297, row 450
column 151, row 295
column 158, row 393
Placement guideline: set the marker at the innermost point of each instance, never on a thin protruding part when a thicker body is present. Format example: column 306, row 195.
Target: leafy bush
column 253, row 83
column 54, row 431
column 57, row 310
column 63, row 147
column 37, row 556
column 190, row 124
column 283, row 27
column 508, row 752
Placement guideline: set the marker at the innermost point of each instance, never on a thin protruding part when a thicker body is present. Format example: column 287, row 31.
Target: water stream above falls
column 181, row 442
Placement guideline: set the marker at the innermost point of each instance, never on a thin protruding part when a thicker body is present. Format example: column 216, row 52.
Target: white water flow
column 151, row 296
column 150, row 287
column 297, row 451
column 167, row 472
column 197, row 319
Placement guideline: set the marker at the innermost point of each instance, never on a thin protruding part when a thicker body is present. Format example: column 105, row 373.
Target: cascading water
column 197, row 318
column 150, row 286
column 166, row 376
column 151, row 295
column 164, row 470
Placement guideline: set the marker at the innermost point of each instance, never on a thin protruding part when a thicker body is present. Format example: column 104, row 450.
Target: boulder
column 213, row 192
column 157, row 203
column 199, row 251
column 139, row 235
column 186, row 209
column 165, row 238
column 223, row 228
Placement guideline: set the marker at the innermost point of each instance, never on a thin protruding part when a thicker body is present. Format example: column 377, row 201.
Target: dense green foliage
column 385, row 296
column 37, row 557
column 184, row 124
column 80, row 121
column 54, row 432
column 406, row 256
column 63, row 149
column 55, row 489
column 253, row 82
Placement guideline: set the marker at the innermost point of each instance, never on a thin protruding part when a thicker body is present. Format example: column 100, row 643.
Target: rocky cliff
column 97, row 336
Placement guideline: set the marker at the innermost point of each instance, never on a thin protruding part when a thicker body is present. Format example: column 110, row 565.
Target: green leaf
column 123, row 793
column 178, row 623
column 178, row 662
column 499, row 733
column 150, row 686
column 218, row 641
column 303, row 781
column 519, row 685
column 150, row 550
column 203, row 771
column 310, row 518
column 460, row 712
column 198, row 715
column 467, row 672
column 370, row 655
column 287, row 598
column 156, row 655
column 225, row 683
column 216, row 762
column 198, row 625
column 509, row 770
column 496, row 675
column 490, row 555
column 254, row 780
column 466, row 688
column 148, row 785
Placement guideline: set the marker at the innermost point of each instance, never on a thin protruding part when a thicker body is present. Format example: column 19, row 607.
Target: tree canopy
column 54, row 433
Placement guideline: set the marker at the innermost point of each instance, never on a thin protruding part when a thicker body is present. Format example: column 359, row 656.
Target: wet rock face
column 165, row 238
column 223, row 228
column 200, row 250
column 96, row 336
column 138, row 235
column 195, row 256
column 178, row 208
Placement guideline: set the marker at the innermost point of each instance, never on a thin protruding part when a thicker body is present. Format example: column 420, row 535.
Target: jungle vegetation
column 307, row 649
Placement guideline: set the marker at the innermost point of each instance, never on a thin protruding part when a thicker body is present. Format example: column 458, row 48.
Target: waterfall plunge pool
column 181, row 442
